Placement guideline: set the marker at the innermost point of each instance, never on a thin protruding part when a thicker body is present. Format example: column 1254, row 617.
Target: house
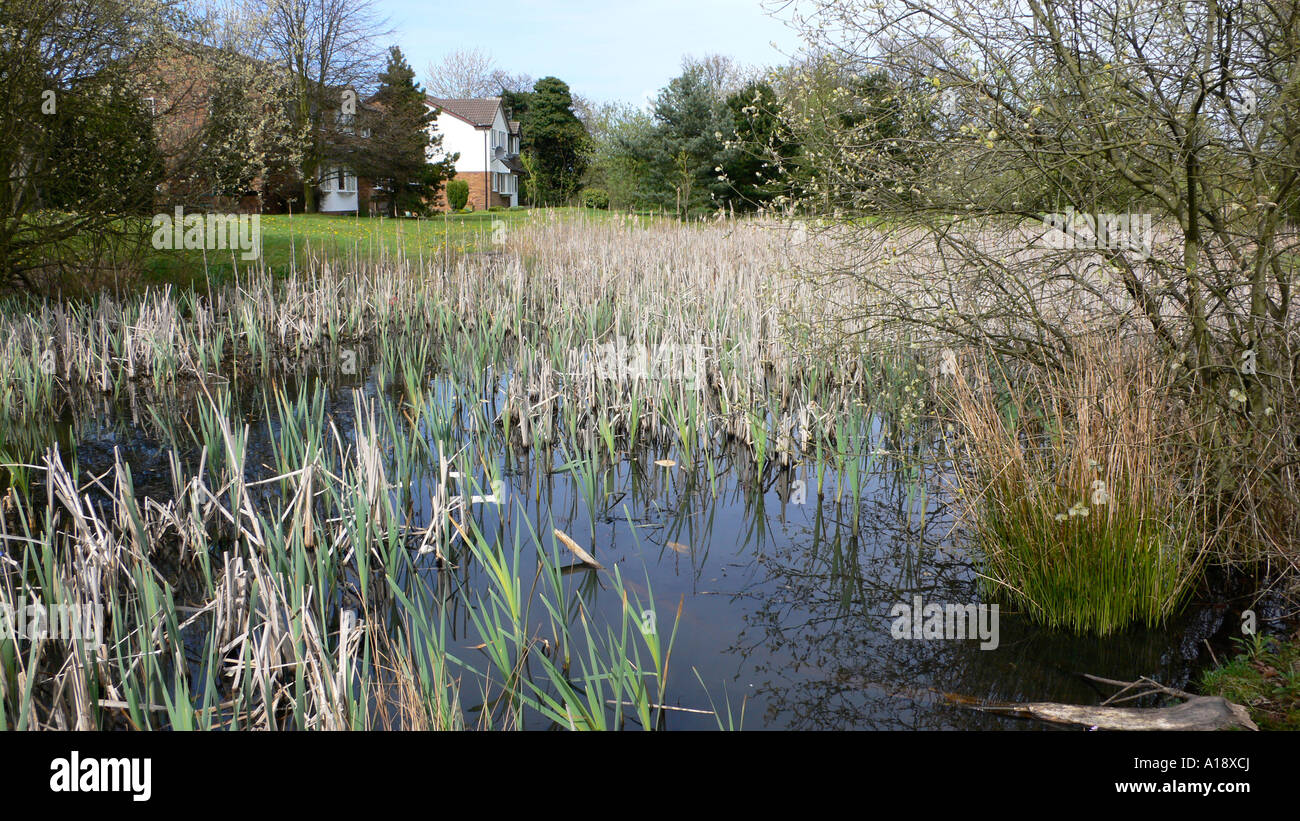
column 181, row 95
column 481, row 131
column 341, row 191
column 178, row 90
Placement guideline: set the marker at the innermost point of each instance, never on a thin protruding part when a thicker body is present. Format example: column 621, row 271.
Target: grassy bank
column 289, row 243
column 1265, row 677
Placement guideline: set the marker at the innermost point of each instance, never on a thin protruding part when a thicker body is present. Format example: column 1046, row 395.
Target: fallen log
column 1196, row 713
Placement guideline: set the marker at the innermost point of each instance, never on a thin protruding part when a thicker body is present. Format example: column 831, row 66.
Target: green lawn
column 286, row 239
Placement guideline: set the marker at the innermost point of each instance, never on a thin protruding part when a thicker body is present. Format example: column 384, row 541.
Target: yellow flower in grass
column 1079, row 510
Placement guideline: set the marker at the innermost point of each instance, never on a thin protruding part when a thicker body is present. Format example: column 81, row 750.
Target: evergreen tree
column 684, row 152
column 395, row 139
column 553, row 137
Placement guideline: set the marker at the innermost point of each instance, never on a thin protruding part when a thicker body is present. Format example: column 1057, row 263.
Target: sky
column 617, row 50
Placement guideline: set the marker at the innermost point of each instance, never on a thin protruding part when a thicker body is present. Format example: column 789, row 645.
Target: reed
column 316, row 581
column 1080, row 497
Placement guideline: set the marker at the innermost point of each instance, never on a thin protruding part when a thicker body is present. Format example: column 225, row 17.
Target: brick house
column 480, row 130
column 488, row 143
column 178, row 89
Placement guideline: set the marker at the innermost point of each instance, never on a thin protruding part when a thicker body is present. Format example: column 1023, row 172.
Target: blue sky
column 616, row 50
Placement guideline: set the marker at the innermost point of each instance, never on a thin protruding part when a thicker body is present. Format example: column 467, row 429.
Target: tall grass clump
column 1081, row 500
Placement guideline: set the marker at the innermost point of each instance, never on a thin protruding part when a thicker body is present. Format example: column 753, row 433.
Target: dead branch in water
column 1196, row 713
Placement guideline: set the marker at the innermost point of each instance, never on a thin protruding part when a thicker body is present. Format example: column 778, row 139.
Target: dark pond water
column 785, row 606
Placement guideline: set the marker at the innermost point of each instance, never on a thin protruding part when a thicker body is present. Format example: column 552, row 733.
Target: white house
column 338, row 186
column 487, row 140
column 338, row 191
column 479, row 130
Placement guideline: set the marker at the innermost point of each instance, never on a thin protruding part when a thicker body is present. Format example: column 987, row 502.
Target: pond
column 786, row 596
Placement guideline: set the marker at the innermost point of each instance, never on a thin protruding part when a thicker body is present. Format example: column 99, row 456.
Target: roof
column 478, row 112
column 514, row 127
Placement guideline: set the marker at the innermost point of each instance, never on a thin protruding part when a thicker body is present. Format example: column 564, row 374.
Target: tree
column 247, row 138
column 682, row 156
column 611, row 166
column 472, row 73
column 529, row 162
column 761, row 151
column 556, row 139
column 394, row 137
column 69, row 80
column 222, row 116
column 1181, row 113
column 327, row 48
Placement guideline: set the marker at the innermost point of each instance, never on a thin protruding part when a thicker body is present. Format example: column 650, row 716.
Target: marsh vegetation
column 616, row 473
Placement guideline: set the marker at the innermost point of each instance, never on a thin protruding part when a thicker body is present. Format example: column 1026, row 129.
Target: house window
column 337, row 180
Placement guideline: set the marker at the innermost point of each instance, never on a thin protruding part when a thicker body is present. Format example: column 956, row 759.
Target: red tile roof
column 478, row 112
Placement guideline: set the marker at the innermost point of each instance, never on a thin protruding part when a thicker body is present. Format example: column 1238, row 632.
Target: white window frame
column 338, row 181
column 345, row 183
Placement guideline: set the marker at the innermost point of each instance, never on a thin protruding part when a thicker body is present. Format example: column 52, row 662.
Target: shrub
column 457, row 194
column 595, row 198
column 1083, row 511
